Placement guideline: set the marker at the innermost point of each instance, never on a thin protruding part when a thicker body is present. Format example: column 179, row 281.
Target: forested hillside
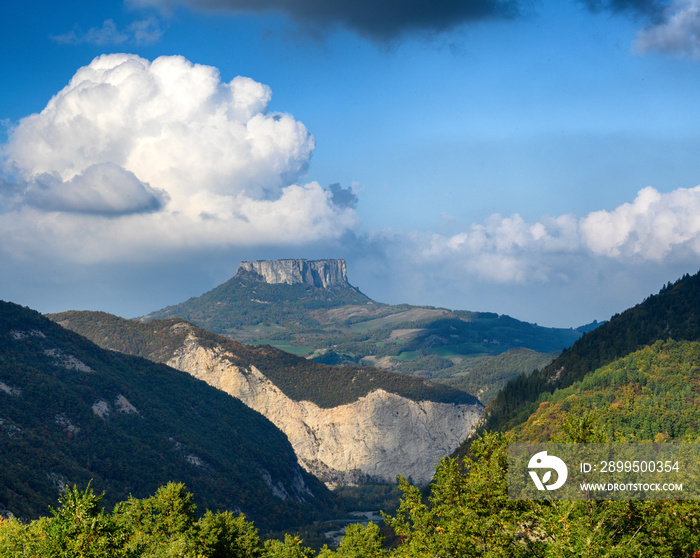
column 467, row 515
column 651, row 394
column 674, row 313
column 71, row 412
column 486, row 377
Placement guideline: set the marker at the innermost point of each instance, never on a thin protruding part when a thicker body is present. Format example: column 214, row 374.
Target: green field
column 393, row 319
column 407, row 355
column 285, row 346
column 463, row 351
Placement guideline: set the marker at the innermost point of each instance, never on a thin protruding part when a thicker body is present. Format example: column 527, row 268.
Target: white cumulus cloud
column 651, row 227
column 563, row 270
column 655, row 227
column 171, row 156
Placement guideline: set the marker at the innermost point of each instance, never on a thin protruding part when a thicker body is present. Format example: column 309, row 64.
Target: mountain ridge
column 313, row 383
column 72, row 411
column 673, row 313
column 339, row 325
column 347, row 425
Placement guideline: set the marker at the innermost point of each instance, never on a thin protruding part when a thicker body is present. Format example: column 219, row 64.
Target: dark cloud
column 678, row 33
column 652, row 9
column 9, row 191
column 141, row 32
column 381, row 20
column 102, row 189
column 342, row 197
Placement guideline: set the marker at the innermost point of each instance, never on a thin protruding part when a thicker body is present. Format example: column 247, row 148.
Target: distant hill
column 673, row 313
column 651, row 394
column 485, row 379
column 309, row 308
column 595, row 324
column 299, row 378
column 72, row 412
column 247, row 299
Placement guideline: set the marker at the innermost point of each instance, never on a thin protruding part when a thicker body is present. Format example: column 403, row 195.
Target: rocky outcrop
column 377, row 437
column 319, row 273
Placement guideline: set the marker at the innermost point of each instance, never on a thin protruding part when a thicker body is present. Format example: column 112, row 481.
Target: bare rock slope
column 347, row 425
column 377, row 437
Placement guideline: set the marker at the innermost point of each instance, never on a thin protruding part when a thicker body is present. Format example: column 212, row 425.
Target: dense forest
column 651, row 394
column 673, row 313
column 486, row 377
column 467, row 514
column 71, row 410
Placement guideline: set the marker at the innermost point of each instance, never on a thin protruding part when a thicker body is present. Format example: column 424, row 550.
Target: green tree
column 225, row 535
column 361, row 542
column 612, row 529
column 468, row 512
column 16, row 539
column 583, row 429
column 290, row 548
column 81, row 528
column 162, row 525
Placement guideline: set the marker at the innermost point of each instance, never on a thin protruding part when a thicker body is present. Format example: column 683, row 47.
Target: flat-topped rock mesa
column 319, row 273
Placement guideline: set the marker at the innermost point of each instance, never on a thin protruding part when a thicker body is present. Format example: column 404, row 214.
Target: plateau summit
column 309, row 308
column 318, row 273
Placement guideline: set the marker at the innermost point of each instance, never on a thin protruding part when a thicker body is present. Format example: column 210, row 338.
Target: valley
column 164, row 391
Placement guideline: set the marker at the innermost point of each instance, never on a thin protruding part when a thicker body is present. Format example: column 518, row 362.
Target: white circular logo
column 543, row 461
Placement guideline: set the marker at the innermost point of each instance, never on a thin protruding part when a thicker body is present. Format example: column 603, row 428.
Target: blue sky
column 538, row 159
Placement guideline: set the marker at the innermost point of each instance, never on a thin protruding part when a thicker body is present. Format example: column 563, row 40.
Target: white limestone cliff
column 319, row 273
column 377, row 437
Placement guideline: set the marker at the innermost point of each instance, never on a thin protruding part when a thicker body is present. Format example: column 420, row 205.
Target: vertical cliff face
column 319, row 273
column 377, row 437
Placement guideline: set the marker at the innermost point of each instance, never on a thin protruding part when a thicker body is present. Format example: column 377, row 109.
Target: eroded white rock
column 379, row 436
